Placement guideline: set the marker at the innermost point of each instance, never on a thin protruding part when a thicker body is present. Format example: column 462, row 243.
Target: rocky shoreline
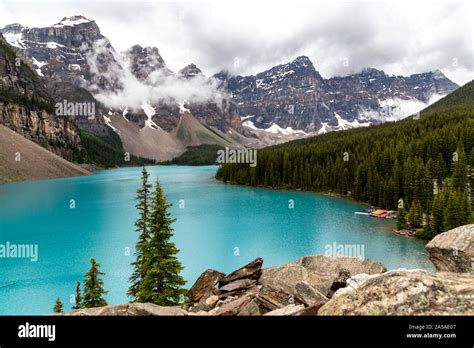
column 331, row 285
column 405, row 233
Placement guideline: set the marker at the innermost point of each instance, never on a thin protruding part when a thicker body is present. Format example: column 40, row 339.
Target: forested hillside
column 419, row 165
column 107, row 151
column 202, row 155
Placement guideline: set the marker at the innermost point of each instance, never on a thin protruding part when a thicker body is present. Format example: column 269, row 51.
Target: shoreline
column 401, row 233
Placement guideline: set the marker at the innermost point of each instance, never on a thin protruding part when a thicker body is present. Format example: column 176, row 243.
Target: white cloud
column 160, row 86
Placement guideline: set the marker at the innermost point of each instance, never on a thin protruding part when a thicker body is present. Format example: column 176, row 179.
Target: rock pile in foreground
column 293, row 289
column 331, row 285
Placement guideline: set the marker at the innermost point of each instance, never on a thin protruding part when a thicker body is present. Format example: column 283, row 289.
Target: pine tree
column 143, row 197
column 464, row 208
column 78, row 297
column 437, row 214
column 415, row 215
column 460, row 170
column 94, row 287
column 162, row 282
column 439, row 167
column 401, row 219
column 58, row 306
column 451, row 212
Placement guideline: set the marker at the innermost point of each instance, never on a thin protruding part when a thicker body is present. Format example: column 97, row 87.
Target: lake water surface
column 218, row 226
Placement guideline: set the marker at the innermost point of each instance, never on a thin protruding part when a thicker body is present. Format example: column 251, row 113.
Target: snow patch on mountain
column 14, row 39
column 149, row 112
column 38, row 66
column 52, row 45
column 72, row 21
column 182, row 108
column 276, row 129
column 243, row 118
column 108, row 122
column 124, row 113
column 324, row 129
column 343, row 124
column 249, row 124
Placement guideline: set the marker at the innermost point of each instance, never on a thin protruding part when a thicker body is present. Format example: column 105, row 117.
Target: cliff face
column 57, row 134
column 27, row 108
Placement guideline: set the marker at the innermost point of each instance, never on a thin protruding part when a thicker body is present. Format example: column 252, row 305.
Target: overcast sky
column 246, row 37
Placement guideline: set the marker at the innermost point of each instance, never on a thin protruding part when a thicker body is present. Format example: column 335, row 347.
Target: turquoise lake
column 219, row 226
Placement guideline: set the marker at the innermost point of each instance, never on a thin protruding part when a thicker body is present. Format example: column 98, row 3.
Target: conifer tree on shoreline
column 162, row 282
column 139, row 270
column 58, row 306
column 94, row 287
column 78, row 297
column 156, row 277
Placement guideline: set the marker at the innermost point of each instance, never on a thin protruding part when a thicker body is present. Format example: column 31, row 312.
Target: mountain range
column 145, row 108
column 294, row 95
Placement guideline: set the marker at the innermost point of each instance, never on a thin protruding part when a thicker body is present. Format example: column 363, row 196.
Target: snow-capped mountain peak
column 72, row 21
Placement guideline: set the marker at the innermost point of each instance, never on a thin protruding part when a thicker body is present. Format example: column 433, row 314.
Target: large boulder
column 332, row 265
column 340, row 281
column 406, row 292
column 453, row 251
column 236, row 306
column 204, row 284
column 354, row 283
column 130, row 309
column 251, row 271
column 250, row 309
column 239, row 284
column 286, row 278
column 206, row 303
column 270, row 298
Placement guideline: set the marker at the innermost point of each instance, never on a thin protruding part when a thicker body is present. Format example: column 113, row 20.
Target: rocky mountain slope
column 322, row 285
column 294, row 96
column 22, row 159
